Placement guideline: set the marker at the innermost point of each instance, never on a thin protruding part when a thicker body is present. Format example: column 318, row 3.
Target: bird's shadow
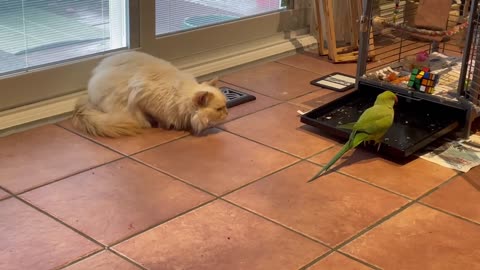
column 359, row 156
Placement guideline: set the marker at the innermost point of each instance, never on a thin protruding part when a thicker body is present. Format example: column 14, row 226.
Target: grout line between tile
column 9, row 194
column 263, row 144
column 271, row 147
column 216, row 197
column 261, row 178
column 358, row 260
column 305, row 267
column 374, row 185
column 157, row 145
column 385, row 218
column 374, row 225
column 81, row 259
column 117, row 151
column 421, row 197
column 59, row 221
column 172, row 176
column 362, row 181
column 206, row 191
column 367, row 229
column 394, row 213
column 127, row 259
column 110, row 246
column 68, row 176
column 277, row 223
column 90, row 139
column 377, row 186
column 272, row 173
column 319, row 258
column 449, row 213
column 98, row 252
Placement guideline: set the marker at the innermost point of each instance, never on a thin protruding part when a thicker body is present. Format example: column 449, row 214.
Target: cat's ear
column 213, row 82
column 202, row 98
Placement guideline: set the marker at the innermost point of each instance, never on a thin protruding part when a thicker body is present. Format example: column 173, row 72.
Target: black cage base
column 417, row 122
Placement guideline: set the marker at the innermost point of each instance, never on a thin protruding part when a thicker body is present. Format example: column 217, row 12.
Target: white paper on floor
column 461, row 155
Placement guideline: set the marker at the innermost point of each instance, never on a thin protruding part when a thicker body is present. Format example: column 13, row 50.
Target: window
column 179, row 15
column 34, row 33
column 54, row 44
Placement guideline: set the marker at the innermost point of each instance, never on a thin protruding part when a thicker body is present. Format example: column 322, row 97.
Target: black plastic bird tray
column 235, row 97
column 417, row 123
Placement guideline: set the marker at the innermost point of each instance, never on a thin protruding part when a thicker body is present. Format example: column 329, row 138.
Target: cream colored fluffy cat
column 131, row 91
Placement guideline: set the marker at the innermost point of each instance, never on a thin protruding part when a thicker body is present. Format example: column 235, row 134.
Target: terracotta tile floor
column 236, row 198
column 3, row 194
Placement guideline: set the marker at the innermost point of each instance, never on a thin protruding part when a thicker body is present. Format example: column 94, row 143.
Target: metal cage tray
column 417, row 122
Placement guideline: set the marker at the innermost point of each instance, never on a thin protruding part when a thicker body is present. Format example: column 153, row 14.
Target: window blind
column 34, row 33
column 180, row 15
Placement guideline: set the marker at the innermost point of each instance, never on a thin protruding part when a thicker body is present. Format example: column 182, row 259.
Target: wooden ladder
column 343, row 53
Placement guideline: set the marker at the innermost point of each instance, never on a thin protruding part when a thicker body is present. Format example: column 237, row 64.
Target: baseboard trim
column 34, row 114
column 201, row 65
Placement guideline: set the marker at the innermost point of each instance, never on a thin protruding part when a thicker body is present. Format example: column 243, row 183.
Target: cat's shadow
column 209, row 132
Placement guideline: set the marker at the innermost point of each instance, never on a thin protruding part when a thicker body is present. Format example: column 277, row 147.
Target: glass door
column 48, row 48
column 174, row 16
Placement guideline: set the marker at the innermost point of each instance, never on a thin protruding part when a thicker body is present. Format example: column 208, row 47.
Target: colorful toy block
column 422, row 80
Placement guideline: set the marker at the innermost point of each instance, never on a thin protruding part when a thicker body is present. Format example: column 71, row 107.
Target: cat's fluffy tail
column 97, row 123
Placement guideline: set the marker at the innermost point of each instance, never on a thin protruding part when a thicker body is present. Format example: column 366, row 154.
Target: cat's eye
column 220, row 109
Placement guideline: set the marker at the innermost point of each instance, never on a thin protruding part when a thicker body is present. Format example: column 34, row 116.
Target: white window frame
column 188, row 47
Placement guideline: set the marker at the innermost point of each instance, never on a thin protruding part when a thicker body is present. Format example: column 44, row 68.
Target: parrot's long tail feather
column 347, row 125
column 340, row 153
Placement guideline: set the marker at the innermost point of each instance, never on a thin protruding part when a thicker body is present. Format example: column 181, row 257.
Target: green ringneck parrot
column 370, row 126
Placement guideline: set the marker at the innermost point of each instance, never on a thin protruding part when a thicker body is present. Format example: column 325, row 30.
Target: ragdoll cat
column 131, row 91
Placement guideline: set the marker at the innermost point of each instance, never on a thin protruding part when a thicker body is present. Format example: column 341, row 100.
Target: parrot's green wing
column 375, row 122
column 373, row 119
column 371, row 125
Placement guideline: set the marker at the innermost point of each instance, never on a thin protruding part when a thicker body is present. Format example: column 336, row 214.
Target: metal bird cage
column 423, row 53
column 429, row 56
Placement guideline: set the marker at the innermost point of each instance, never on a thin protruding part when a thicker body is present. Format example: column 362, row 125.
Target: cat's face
column 211, row 103
column 211, row 106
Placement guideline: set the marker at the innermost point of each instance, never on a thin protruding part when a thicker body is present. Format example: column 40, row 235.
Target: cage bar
column 406, row 42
